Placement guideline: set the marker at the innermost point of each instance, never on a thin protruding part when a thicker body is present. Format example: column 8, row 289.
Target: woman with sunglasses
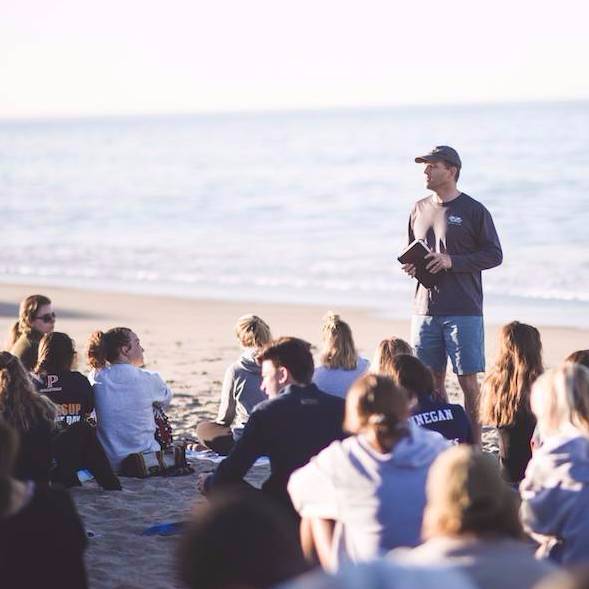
column 35, row 319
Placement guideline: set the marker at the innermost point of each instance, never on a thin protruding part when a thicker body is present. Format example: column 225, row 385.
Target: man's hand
column 410, row 269
column 438, row 262
column 201, row 482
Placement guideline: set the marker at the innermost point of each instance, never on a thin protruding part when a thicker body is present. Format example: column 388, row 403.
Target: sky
column 77, row 58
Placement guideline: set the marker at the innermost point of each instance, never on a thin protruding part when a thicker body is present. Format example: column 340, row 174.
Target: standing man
column 448, row 317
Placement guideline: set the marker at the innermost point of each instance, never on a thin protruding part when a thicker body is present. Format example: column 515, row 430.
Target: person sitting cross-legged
column 295, row 423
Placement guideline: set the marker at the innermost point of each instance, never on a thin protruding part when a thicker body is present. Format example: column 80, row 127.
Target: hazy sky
column 73, row 57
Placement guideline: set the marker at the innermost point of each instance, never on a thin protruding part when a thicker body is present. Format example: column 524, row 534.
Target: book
column 415, row 254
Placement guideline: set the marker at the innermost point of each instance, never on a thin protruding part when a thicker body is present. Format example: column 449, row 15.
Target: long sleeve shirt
column 289, row 429
column 462, row 228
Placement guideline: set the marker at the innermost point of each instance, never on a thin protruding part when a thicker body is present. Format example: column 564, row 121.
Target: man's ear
column 283, row 375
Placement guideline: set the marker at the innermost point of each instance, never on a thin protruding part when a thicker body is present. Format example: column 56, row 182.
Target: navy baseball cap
column 441, row 152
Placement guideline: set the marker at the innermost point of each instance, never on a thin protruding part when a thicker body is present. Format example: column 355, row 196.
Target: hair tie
column 377, row 419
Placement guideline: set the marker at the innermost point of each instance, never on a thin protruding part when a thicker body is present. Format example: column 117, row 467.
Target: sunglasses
column 47, row 318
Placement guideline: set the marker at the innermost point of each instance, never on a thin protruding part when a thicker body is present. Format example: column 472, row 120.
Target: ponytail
column 252, row 332
column 106, row 347
column 96, row 350
column 339, row 350
column 376, row 403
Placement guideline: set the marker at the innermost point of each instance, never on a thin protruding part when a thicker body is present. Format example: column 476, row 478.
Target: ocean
column 306, row 207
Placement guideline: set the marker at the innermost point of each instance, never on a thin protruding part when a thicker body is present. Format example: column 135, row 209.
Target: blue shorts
column 461, row 337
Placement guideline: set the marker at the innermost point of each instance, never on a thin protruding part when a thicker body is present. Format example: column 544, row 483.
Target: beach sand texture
column 191, row 342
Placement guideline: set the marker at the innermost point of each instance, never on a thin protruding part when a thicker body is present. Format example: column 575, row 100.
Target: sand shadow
column 11, row 310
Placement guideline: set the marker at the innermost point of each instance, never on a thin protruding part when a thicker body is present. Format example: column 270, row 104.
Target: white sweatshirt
column 124, row 396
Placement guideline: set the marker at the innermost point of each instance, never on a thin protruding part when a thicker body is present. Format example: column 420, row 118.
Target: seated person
column 505, row 396
column 372, row 485
column 295, row 423
column 579, row 357
column 124, row 394
column 241, row 388
column 340, row 363
column 555, row 490
column 214, row 555
column 35, row 318
column 41, row 535
column 388, row 348
column 449, row 419
column 31, row 415
column 471, row 524
column 74, row 444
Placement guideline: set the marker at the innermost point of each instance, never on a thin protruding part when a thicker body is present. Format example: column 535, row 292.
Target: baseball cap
column 441, row 152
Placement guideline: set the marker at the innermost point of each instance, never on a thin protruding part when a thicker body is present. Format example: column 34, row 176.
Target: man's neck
column 447, row 193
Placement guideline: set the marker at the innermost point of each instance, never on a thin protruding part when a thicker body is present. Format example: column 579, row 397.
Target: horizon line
column 114, row 115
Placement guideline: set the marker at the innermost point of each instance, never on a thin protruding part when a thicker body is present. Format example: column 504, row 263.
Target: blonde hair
column 27, row 312
column 385, row 352
column 466, row 494
column 252, row 332
column 20, row 404
column 376, row 402
column 506, row 390
column 560, row 398
column 338, row 344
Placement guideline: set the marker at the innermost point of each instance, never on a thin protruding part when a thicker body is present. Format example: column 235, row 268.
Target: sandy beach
column 191, row 342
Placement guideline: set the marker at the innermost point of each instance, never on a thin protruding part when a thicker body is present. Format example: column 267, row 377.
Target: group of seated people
column 366, row 458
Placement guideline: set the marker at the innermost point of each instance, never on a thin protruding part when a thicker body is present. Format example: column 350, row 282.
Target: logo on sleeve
column 454, row 220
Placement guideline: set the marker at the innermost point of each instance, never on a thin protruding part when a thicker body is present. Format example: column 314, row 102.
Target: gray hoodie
column 555, row 499
column 240, row 393
column 376, row 499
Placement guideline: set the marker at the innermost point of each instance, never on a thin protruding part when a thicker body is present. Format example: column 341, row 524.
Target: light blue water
column 304, row 207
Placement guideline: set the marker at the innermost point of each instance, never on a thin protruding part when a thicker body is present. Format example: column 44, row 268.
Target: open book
column 415, row 254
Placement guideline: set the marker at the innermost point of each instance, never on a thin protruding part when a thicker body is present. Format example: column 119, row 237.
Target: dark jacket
column 448, row 419
column 289, row 429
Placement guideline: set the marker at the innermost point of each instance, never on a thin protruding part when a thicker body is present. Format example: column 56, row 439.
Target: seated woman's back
column 32, row 417
column 340, row 364
column 448, row 419
column 373, row 483
column 124, row 395
column 41, row 534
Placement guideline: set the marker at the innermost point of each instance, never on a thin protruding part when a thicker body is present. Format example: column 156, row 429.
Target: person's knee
column 470, row 387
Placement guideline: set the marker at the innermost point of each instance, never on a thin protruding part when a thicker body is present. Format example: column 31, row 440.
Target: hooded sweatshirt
column 376, row 499
column 124, row 396
column 555, row 498
column 240, row 393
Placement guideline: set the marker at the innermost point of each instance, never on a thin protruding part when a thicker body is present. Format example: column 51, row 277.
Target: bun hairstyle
column 8, row 453
column 20, row 404
column 338, row 344
column 252, row 332
column 105, row 347
column 26, row 315
column 386, row 351
column 56, row 353
column 376, row 402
